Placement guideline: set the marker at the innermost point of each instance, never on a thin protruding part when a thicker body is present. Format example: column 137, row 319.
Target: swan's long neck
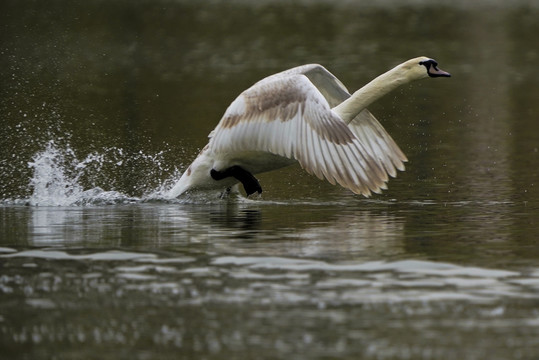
column 371, row 92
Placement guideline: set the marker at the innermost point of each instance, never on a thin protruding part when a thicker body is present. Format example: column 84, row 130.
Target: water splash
column 56, row 178
column 51, row 185
column 60, row 178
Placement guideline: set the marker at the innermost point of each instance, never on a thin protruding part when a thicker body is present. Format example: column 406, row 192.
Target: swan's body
column 304, row 115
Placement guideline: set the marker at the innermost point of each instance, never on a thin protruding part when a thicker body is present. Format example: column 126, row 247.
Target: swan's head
column 423, row 67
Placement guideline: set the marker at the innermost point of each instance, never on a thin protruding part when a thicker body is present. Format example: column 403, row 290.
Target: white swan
column 305, row 115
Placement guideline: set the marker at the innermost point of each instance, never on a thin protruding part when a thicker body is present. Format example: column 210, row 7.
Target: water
column 103, row 106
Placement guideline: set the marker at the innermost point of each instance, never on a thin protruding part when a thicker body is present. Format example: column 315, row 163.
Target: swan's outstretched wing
column 289, row 117
column 365, row 126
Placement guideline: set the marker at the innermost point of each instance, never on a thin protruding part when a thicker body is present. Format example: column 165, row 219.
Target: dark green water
column 103, row 104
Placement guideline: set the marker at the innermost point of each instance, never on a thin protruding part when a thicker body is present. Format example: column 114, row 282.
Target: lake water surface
column 104, row 104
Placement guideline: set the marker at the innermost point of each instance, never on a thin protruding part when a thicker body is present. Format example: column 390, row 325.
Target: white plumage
column 306, row 115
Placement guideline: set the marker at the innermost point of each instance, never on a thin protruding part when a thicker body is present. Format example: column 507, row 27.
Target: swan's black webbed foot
column 249, row 182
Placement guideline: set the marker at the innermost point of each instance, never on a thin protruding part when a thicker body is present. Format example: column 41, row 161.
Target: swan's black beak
column 432, row 69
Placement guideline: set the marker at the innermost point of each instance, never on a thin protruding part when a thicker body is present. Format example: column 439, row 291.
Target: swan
column 306, row 115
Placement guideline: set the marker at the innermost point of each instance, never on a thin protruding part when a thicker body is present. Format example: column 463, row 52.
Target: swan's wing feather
column 365, row 126
column 327, row 84
column 378, row 142
column 289, row 117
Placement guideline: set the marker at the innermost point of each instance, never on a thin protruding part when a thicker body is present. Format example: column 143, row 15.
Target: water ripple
column 259, row 279
column 190, row 301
